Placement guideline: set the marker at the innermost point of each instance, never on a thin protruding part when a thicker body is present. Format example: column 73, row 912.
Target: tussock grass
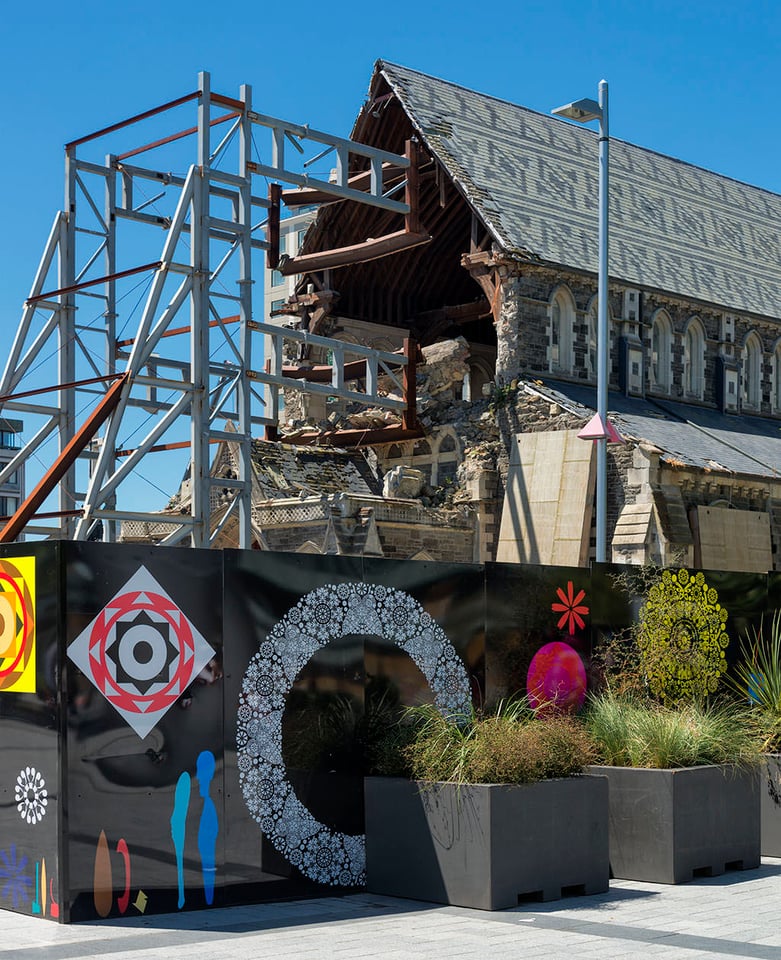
column 511, row 745
column 756, row 678
column 631, row 733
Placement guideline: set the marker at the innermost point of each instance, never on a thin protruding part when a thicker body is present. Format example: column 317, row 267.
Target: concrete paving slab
column 736, row 915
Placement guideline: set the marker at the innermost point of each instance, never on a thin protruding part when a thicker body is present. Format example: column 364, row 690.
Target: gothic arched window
column 661, row 342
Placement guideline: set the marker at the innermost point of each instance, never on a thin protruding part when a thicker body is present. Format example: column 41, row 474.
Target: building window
column 562, row 319
column 591, row 339
column 277, row 280
column 277, row 305
column 777, row 379
column 752, row 371
column 300, row 238
column 661, row 340
column 693, row 359
column 8, row 506
column 9, row 440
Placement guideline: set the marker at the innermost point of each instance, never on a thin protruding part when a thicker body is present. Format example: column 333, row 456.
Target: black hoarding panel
column 146, row 824
column 290, row 727
column 30, row 771
column 538, row 633
column 453, row 596
column 318, row 650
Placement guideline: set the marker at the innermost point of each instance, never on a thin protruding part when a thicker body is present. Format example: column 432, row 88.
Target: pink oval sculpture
column 556, row 678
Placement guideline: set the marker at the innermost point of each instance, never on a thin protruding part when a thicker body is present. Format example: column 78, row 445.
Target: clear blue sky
column 698, row 81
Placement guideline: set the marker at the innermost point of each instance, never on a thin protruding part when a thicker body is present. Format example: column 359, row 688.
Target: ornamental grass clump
column 629, row 732
column 511, row 745
column 757, row 680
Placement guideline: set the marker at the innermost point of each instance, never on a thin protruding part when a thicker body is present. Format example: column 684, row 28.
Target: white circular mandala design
column 325, row 614
column 31, row 795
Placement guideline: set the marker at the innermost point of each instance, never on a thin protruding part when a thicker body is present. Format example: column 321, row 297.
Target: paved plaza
column 736, row 915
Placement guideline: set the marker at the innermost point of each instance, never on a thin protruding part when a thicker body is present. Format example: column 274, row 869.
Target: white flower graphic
column 31, row 795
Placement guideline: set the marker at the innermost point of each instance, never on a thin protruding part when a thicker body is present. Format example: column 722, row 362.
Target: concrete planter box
column 486, row 846
column 669, row 826
column 770, row 804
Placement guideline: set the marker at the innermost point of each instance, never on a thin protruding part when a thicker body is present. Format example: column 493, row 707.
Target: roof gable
column 533, row 180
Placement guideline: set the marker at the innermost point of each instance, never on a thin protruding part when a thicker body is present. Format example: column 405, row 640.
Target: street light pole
column 584, row 111
column 603, row 341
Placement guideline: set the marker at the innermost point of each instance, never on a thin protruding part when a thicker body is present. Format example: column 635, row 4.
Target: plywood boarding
column 734, row 539
column 546, row 516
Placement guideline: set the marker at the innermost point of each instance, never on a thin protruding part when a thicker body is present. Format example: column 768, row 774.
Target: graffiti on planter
column 141, row 651
column 208, row 826
column 329, row 612
column 15, row 882
column 30, row 795
column 17, row 625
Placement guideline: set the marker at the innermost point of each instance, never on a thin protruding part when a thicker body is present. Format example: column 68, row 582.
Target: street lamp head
column 580, row 110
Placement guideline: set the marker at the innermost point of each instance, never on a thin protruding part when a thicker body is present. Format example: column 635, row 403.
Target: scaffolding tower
column 138, row 336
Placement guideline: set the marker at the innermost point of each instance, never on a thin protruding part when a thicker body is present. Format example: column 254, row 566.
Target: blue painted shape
column 14, row 882
column 209, row 826
column 179, row 826
column 36, row 899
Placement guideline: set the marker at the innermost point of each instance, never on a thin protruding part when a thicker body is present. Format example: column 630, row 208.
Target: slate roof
column 533, row 179
column 695, row 436
column 286, row 471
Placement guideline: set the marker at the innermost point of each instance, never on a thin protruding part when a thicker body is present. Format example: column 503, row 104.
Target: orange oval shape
column 102, row 884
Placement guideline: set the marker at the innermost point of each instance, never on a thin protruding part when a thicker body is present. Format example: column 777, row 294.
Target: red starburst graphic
column 570, row 608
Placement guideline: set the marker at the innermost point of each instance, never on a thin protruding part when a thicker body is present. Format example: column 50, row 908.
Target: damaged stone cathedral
column 497, row 287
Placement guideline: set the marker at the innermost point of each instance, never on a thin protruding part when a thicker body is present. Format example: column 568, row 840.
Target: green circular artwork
column 682, row 637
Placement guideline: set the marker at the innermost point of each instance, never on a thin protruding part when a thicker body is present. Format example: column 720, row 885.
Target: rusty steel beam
column 131, row 120
column 177, row 331
column 372, row 249
column 412, row 189
column 353, row 370
column 173, row 137
column 160, row 447
column 353, row 438
column 303, row 196
column 75, row 287
column 272, row 228
column 409, row 419
column 60, row 386
column 223, row 101
column 64, row 462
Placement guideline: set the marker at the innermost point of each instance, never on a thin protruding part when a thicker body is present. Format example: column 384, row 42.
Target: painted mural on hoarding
column 556, row 678
column 17, row 625
column 682, row 636
column 201, row 773
column 31, row 795
column 141, row 652
column 208, row 826
column 326, row 613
